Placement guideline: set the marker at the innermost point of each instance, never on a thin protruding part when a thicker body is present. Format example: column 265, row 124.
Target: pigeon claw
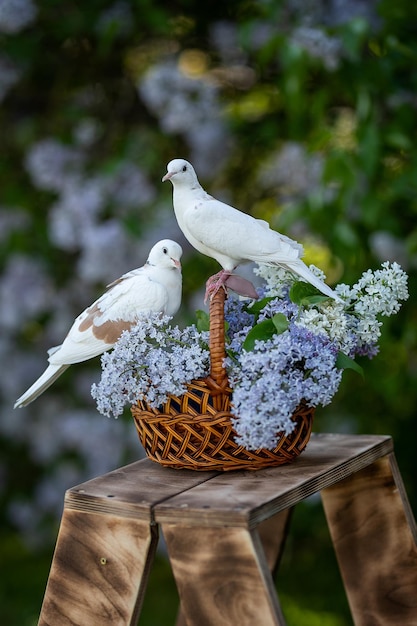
column 216, row 282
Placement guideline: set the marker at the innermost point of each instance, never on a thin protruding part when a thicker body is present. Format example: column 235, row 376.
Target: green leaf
column 261, row 332
column 302, row 293
column 257, row 305
column 344, row 362
column 280, row 322
column 203, row 320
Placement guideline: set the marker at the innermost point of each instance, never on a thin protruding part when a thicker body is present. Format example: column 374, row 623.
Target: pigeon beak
column 176, row 262
column 167, row 176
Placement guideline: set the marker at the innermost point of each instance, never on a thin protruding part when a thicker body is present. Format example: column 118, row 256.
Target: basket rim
column 205, row 442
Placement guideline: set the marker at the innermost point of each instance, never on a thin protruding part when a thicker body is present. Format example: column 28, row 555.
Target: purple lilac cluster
column 151, row 361
column 272, row 380
column 239, row 321
column 280, row 305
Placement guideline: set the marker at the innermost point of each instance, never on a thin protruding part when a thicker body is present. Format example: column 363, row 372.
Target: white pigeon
column 230, row 236
column 155, row 287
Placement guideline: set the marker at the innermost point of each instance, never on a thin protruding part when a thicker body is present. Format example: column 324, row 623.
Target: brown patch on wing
column 109, row 331
column 89, row 320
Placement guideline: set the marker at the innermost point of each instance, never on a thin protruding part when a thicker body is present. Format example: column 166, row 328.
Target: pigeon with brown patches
column 229, row 236
column 154, row 288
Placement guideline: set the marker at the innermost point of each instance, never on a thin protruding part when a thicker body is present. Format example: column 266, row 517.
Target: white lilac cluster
column 356, row 327
column 151, row 361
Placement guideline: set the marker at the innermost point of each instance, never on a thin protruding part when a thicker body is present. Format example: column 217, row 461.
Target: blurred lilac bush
column 278, row 106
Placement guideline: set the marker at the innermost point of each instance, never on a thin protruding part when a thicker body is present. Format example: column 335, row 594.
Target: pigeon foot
column 215, row 282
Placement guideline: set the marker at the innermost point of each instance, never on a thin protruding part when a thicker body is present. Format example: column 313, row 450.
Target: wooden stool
column 225, row 532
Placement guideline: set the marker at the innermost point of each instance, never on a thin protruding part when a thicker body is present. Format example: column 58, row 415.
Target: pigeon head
column 181, row 172
column 166, row 253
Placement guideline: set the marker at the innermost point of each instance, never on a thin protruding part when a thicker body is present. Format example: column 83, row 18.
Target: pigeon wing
column 229, row 232
column 99, row 327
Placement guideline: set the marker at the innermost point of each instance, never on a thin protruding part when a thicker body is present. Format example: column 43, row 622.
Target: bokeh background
column 301, row 112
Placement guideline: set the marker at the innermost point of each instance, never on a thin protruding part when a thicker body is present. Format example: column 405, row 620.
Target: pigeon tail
column 302, row 270
column 48, row 377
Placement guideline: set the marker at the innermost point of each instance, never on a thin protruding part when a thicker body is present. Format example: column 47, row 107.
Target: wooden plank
column 99, row 571
column 222, row 577
column 374, row 535
column 247, row 498
column 133, row 490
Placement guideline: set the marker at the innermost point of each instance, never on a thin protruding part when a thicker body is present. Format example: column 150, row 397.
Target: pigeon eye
column 165, row 250
column 184, row 169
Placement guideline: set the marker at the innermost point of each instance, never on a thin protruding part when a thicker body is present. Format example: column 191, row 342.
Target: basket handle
column 218, row 376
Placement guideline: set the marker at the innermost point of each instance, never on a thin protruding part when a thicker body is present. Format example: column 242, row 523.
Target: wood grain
column 222, row 577
column 99, row 571
column 133, row 490
column 105, row 545
column 374, row 535
column 272, row 534
column 245, row 498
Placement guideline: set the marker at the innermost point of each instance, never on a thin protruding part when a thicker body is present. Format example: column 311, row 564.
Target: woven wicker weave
column 194, row 431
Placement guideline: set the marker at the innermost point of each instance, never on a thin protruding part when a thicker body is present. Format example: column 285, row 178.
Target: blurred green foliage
column 355, row 110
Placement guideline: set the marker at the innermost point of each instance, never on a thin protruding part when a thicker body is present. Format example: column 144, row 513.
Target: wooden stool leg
column 272, row 533
column 222, row 576
column 99, row 570
column 374, row 535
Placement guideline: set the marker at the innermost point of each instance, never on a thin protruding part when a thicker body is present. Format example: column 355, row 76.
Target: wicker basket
column 194, row 431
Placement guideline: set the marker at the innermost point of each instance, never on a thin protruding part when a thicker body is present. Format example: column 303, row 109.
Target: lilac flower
column 95, row 264
column 9, row 75
column 355, row 327
column 151, row 361
column 318, row 45
column 51, row 164
column 129, row 187
column 189, row 106
column 15, row 15
column 25, row 291
column 237, row 316
column 280, row 305
column 292, row 173
column 271, row 381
